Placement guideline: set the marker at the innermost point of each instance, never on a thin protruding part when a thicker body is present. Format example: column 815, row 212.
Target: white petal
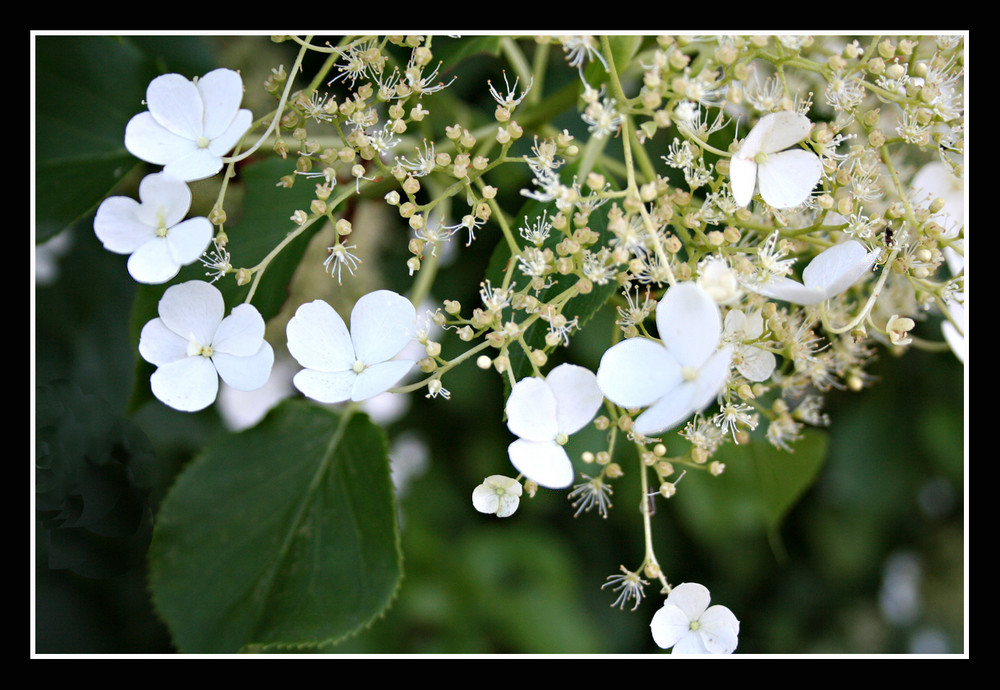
column 193, row 309
column 153, row 263
column 637, row 372
column 241, row 333
column 691, row 643
column 165, row 200
column 669, row 626
column 755, row 364
column 837, row 268
column 786, row 179
column 379, row 377
column 228, row 138
column 532, row 410
column 176, row 104
column 577, row 395
column 148, row 140
column 245, row 373
column 689, row 323
column 188, row 239
column 780, row 287
column 691, row 598
column 221, row 91
column 719, row 630
column 159, row 345
column 545, row 463
column 742, row 179
column 325, row 386
column 485, row 499
column 711, row 377
column 118, row 227
column 318, row 338
column 194, row 164
column 189, row 384
column 667, row 412
column 777, row 131
column 382, row 324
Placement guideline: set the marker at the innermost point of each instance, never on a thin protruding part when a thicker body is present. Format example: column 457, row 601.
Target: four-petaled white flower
column 153, row 230
column 688, row 624
column 785, row 178
column 355, row 365
column 192, row 345
column 190, row 125
column 497, row 494
column 832, row 271
column 543, row 413
column 676, row 377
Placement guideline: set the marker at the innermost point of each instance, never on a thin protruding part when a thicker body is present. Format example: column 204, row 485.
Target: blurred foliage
column 871, row 560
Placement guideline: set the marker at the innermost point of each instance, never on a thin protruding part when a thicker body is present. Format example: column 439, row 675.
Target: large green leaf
column 86, row 90
column 280, row 536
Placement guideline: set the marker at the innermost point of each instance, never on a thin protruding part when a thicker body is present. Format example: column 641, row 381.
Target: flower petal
column 325, row 386
column 577, row 395
column 194, row 164
column 318, row 339
column 193, row 309
column 188, row 239
column 379, row 377
column 189, row 384
column 637, row 372
column 228, row 138
column 689, row 323
column 780, row 287
column 245, row 373
column 776, row 132
column 221, row 92
column 545, row 463
column 669, row 626
column 165, row 200
column 754, row 363
column 532, row 410
column 382, row 324
column 719, row 630
column 742, row 179
column 176, row 104
column 153, row 263
column 837, row 268
column 118, row 227
column 691, row 598
column 667, row 412
column 159, row 345
column 241, row 333
column 148, row 140
column 711, row 377
column 786, row 179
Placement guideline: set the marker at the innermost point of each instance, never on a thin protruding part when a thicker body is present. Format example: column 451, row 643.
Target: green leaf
column 280, row 536
column 87, row 88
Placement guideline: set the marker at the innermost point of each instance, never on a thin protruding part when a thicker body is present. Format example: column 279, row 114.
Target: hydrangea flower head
column 498, row 495
column 543, row 413
column 153, row 230
column 785, row 177
column 192, row 345
column 832, row 271
column 688, row 624
column 190, row 125
column 357, row 364
column 676, row 376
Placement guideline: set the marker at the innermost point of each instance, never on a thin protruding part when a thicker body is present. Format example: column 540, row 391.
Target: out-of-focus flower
column 497, row 494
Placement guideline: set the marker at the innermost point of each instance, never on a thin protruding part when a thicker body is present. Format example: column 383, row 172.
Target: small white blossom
column 497, row 495
column 688, row 624
column 543, row 413
column 153, row 230
column 832, row 271
column 356, row 365
column 676, row 377
column 192, row 345
column 190, row 125
column 785, row 177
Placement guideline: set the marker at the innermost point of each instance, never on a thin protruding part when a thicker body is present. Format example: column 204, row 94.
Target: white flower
column 356, row 365
column 153, row 230
column 832, row 271
column 497, row 494
column 719, row 280
column 676, row 377
column 190, row 125
column 688, row 624
column 753, row 362
column 543, row 413
column 192, row 345
column 785, row 177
